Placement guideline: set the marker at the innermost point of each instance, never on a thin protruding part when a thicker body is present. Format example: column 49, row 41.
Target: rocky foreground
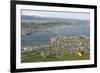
column 59, row 47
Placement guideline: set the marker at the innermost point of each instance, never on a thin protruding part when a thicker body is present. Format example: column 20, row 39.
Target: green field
column 31, row 58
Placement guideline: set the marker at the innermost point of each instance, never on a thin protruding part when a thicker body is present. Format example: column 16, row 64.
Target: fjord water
column 43, row 37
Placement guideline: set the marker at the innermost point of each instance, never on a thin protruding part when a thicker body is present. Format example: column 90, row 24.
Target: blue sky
column 68, row 15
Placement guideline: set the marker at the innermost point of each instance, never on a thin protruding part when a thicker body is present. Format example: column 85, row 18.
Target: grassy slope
column 30, row 58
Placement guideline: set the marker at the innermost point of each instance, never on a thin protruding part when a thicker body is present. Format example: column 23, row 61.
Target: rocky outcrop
column 61, row 46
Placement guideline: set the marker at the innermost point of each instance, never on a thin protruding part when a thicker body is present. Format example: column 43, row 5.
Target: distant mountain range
column 41, row 18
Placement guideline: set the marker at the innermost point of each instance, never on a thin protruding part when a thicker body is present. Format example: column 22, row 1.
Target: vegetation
column 59, row 49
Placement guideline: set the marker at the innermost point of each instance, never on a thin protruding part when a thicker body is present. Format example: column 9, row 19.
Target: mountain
column 41, row 18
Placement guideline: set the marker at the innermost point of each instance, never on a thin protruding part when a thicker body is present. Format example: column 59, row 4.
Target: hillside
column 60, row 48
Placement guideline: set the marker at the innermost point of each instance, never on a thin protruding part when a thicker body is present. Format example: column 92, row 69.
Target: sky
column 68, row 15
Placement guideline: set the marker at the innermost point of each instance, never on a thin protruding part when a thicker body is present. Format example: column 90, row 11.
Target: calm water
column 44, row 37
